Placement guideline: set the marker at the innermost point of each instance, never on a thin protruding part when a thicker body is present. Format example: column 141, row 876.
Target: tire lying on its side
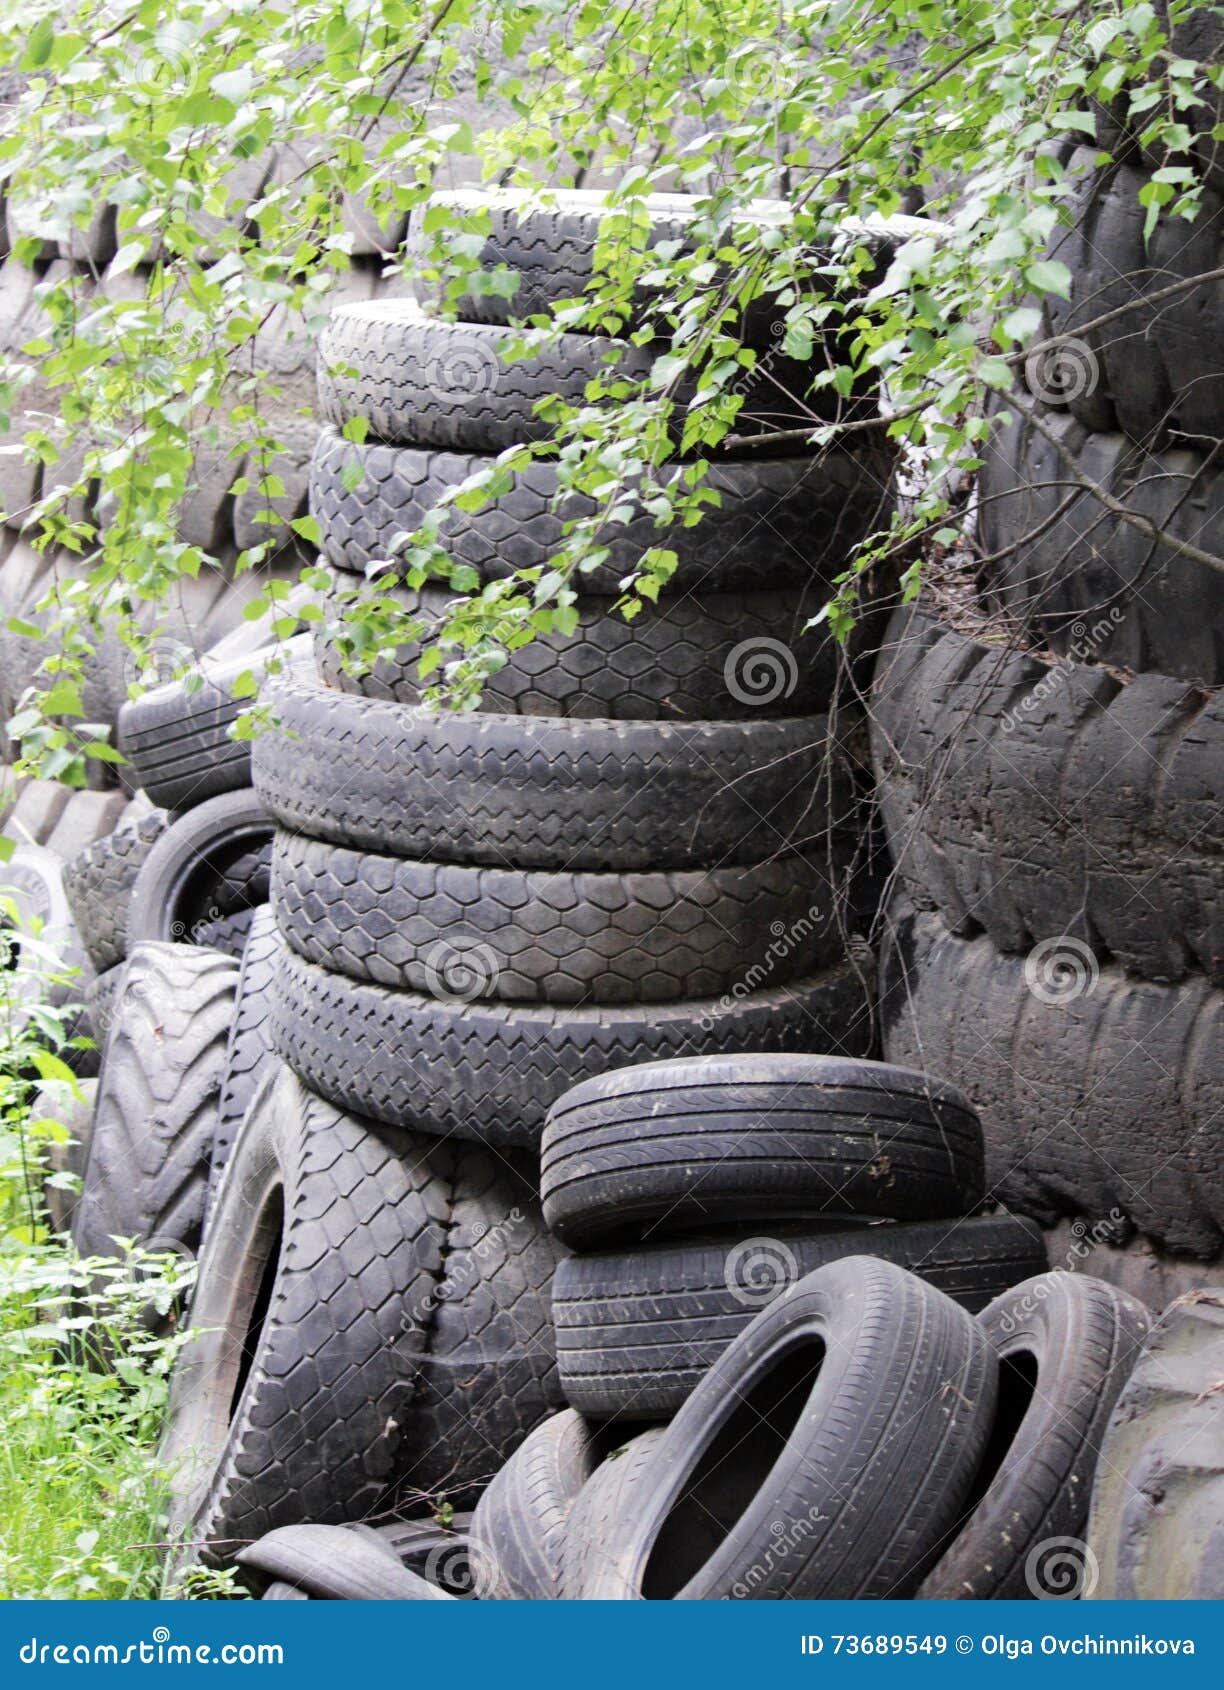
column 1076, row 575
column 1158, row 1501
column 414, row 380
column 603, row 1501
column 800, row 519
column 819, row 1415
column 471, row 788
column 151, row 1145
column 287, row 1404
column 179, row 742
column 1066, row 1344
column 697, row 656
column 519, row 1528
column 654, row 1148
column 183, row 887
column 488, row 1071
column 556, row 937
column 1029, row 800
column 637, row 1330
column 1158, row 368
column 1097, row 1093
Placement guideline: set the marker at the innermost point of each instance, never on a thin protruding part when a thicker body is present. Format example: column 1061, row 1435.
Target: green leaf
column 1047, row 275
column 39, row 43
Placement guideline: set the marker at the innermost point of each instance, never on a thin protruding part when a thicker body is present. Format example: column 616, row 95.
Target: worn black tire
column 1158, row 1502
column 1159, row 368
column 636, row 1331
column 1066, row 1344
column 442, row 1554
column 601, row 1505
column 699, row 656
column 1098, row 1094
column 248, row 1054
column 488, row 1071
column 227, row 933
column 552, row 252
column 179, row 743
column 1029, row 800
column 279, row 1591
column 519, row 1527
column 533, row 793
column 1083, row 580
column 182, row 886
column 288, row 1405
column 541, row 937
column 332, row 1564
column 820, row 1414
column 1198, row 36
column 98, row 884
column 416, row 381
column 658, row 1148
column 156, row 1112
column 800, row 519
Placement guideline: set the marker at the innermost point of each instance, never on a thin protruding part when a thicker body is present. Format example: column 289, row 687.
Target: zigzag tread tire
column 99, row 881
column 553, row 937
column 801, row 518
column 488, row 1071
column 156, row 1111
column 545, row 794
column 249, row 1049
column 1032, row 801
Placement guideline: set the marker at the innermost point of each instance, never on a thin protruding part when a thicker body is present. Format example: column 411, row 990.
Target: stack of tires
column 1050, row 777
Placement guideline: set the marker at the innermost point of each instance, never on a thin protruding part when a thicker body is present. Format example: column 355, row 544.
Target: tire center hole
column 730, row 1471
column 268, row 1237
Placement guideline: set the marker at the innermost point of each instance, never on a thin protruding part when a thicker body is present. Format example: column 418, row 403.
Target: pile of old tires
column 509, row 1070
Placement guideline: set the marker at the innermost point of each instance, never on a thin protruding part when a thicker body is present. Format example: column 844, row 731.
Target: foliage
column 82, row 1373
column 847, row 108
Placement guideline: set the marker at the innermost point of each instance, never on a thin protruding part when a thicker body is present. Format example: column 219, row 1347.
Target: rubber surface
column 98, row 884
column 1082, row 579
column 335, row 1565
column 179, row 741
column 199, row 873
column 1098, row 1094
column 724, row 656
column 800, row 518
column 1027, row 799
column 420, row 382
column 156, row 1109
column 488, row 1071
column 539, row 937
column 836, row 1383
column 520, row 1525
column 1066, row 1344
column 638, row 1329
column 533, row 793
column 248, row 1053
column 662, row 1147
column 1158, row 368
column 601, row 1505
column 1158, row 1503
